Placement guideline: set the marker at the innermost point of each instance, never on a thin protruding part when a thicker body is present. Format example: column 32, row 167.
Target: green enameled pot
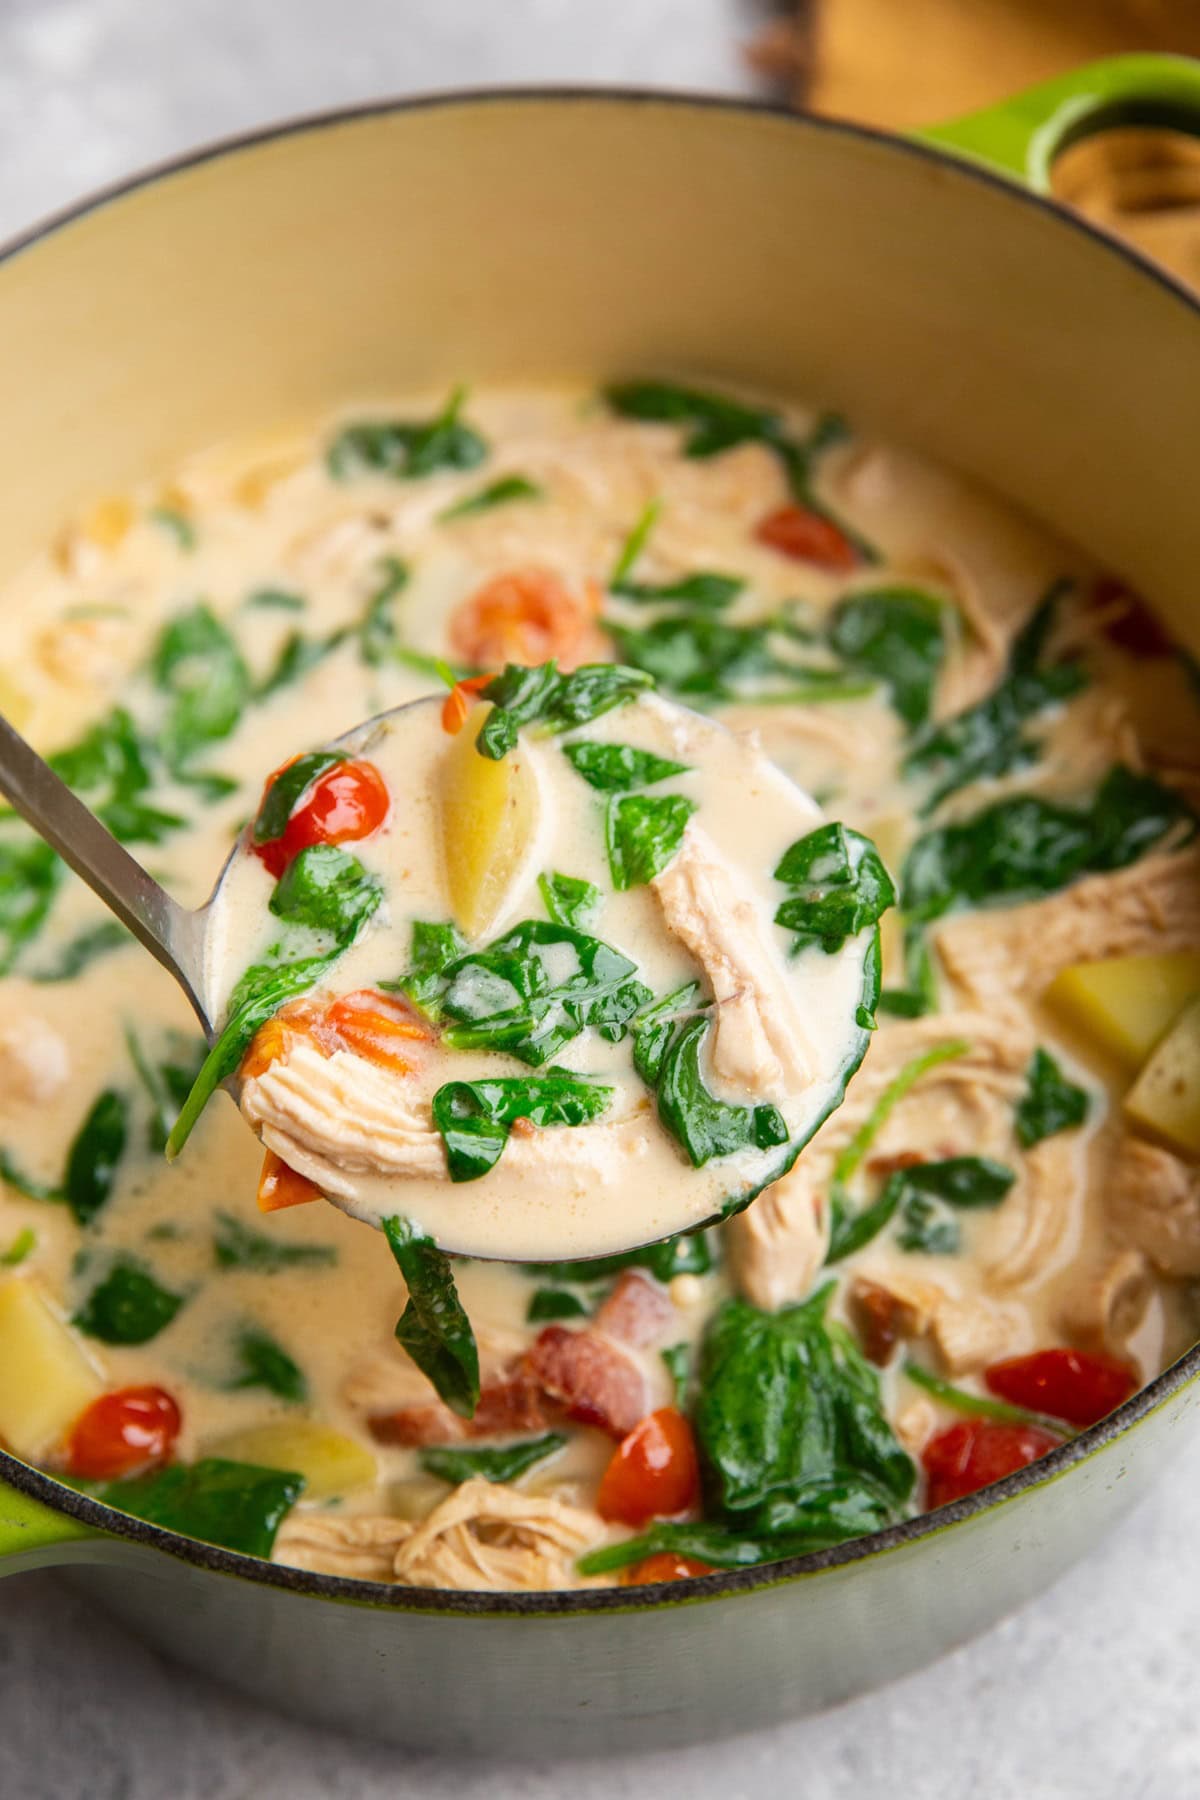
column 929, row 288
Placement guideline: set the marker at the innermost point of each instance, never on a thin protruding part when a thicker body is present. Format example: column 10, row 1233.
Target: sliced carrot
column 279, row 1186
column 458, row 702
column 373, row 1025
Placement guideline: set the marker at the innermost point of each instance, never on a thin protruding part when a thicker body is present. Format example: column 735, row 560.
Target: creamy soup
column 986, row 1247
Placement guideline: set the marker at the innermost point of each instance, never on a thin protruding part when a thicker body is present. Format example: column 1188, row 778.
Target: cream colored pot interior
column 560, row 235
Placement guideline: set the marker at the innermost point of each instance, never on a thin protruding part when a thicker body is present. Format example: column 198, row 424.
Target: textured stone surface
column 1092, row 1691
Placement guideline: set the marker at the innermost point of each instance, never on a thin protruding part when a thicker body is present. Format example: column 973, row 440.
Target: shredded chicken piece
column 777, row 1246
column 1153, row 1201
column 1107, row 1307
column 1035, row 1222
column 965, row 1334
column 35, row 1063
column 916, row 1424
column 487, row 1535
column 759, row 1044
column 1153, row 905
column 362, row 1547
column 389, row 1381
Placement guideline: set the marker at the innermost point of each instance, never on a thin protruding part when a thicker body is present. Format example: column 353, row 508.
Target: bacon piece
column 637, row 1312
column 877, row 1317
column 597, row 1383
column 510, row 1406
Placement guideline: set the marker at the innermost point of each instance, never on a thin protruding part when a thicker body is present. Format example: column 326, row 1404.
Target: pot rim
column 477, row 1603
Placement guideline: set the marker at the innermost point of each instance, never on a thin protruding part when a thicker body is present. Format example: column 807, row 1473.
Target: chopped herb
column 235, row 1505
column 895, row 635
column 326, row 889
column 433, row 1328
column 128, row 1306
column 475, row 1117
column 644, row 832
column 201, row 670
column 841, row 887
column 407, row 449
column 263, row 1363
column 554, row 1303
column 94, row 1155
column 177, row 524
column 80, row 952
column 522, row 696
column 275, row 599
column 23, row 1245
column 704, row 1125
column 237, row 1246
column 1027, row 847
column 286, row 791
column 497, row 493
column 501, row 1462
column 569, row 900
column 614, row 768
column 1050, row 1102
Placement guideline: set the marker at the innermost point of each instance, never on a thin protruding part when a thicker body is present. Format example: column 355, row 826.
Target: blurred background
column 1089, row 1692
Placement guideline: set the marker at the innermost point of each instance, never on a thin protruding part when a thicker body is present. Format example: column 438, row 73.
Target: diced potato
column 330, row 1462
column 414, row 1500
column 1165, row 1098
column 46, row 1380
column 489, row 816
column 15, row 703
column 1126, row 1002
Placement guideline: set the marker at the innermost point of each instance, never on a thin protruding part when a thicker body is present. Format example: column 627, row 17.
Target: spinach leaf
column 235, row 1505
column 111, row 766
column 167, row 1085
column 207, row 783
column 501, row 1462
column 286, row 791
column 297, row 655
column 475, row 1117
column 833, row 1518
column 128, row 1306
column 275, row 599
column 237, row 1246
column 926, row 1195
column 790, row 1425
column 95, row 1153
column 522, row 696
column 688, row 1254
column 655, row 1025
column 988, row 739
column 678, row 1360
column 704, row 1125
column 377, row 634
column 702, row 589
column 841, row 887
column 80, row 952
column 895, row 635
column 695, row 654
column 981, row 1405
column 23, row 1245
column 614, row 768
column 644, row 832
column 199, row 667
column 1026, row 847
column 327, row 889
column 1050, row 1102
column 554, row 1303
column 29, row 877
column 570, row 900
column 177, row 524
column 407, row 449
column 435, row 947
column 433, row 1328
column 263, row 1363
column 497, row 493
column 15, row 1177
column 921, row 994
column 536, row 988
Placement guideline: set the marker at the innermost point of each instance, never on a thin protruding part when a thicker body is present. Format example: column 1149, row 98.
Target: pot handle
column 32, row 1535
column 1023, row 135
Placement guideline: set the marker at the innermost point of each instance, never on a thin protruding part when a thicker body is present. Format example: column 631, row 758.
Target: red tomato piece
column 126, row 1430
column 654, row 1471
column 1076, row 1385
column 974, row 1453
column 344, row 805
column 459, row 700
column 807, row 536
column 666, row 1565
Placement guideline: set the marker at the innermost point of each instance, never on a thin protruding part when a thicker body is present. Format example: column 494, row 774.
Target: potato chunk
column 1165, row 1098
column 47, row 1378
column 330, row 1462
column 1126, row 1002
column 489, row 817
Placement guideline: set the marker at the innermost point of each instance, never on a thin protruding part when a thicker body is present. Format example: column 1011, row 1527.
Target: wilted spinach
column 198, row 666
column 615, row 768
column 433, row 1327
column 927, row 1196
column 547, row 1304
column 264, row 1363
column 235, row 1505
column 29, row 877
column 522, row 696
column 237, row 1246
column 498, row 1462
column 705, row 1126
column 497, row 493
column 643, row 833
column 326, row 889
column 895, row 635
column 569, row 900
column 1050, row 1102
column 475, row 1117
column 128, row 1306
column 841, row 887
column 407, row 449
column 95, row 1154
column 79, row 953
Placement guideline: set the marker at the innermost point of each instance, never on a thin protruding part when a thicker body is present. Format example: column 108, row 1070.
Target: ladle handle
column 169, row 931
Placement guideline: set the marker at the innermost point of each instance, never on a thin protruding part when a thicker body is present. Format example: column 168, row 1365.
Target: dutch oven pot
column 522, row 235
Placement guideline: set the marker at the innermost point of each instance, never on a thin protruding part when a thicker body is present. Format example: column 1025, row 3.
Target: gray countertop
column 1092, row 1690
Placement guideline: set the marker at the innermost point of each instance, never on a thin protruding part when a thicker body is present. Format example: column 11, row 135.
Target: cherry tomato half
column 345, row 804
column 654, row 1471
column 1076, row 1385
column 459, row 701
column 123, row 1431
column 975, row 1452
column 665, row 1565
column 807, row 536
